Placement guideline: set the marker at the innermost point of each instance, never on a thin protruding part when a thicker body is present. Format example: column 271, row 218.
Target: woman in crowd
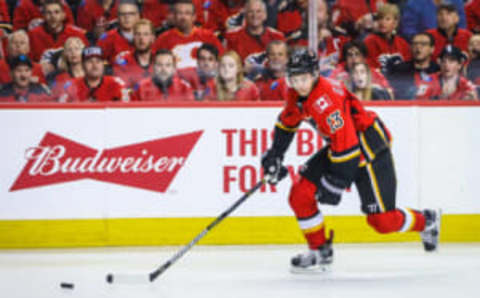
column 360, row 83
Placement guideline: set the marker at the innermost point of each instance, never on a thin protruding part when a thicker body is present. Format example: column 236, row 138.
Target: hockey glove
column 329, row 190
column 272, row 167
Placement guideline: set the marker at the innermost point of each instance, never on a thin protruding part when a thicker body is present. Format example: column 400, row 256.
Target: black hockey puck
column 67, row 285
column 110, row 278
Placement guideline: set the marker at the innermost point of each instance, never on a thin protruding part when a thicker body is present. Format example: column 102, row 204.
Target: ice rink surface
column 359, row 270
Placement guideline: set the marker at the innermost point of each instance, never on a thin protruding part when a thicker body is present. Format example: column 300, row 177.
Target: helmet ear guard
column 302, row 60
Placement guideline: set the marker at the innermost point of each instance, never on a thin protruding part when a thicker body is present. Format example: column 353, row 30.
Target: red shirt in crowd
column 5, row 77
column 157, row 11
column 91, row 12
column 223, row 17
column 127, row 67
column 113, row 43
column 248, row 91
column 472, row 12
column 35, row 93
column 199, row 85
column 348, row 11
column 464, row 88
column 110, row 89
column 27, row 15
column 380, row 49
column 59, row 84
column 179, row 90
column 245, row 44
column 341, row 74
column 42, row 40
column 184, row 47
column 4, row 15
column 460, row 40
column 272, row 89
column 289, row 17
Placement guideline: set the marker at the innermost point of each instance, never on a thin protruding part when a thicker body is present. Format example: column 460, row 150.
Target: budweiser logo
column 149, row 165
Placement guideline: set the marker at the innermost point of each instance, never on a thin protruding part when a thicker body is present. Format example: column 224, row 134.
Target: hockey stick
column 145, row 278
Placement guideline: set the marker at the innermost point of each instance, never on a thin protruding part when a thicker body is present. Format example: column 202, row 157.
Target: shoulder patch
column 67, row 84
column 103, row 36
column 274, row 85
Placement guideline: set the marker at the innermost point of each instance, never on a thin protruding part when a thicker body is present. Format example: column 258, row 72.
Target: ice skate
column 314, row 260
column 431, row 234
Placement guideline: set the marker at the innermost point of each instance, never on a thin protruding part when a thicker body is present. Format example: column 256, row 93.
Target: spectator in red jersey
column 4, row 16
column 95, row 86
column 22, row 88
column 230, row 84
column 206, row 70
column 448, row 31
column 385, row 46
column 96, row 17
column 53, row 33
column 28, row 14
column 165, row 85
column 251, row 40
column 414, row 79
column 185, row 38
column 473, row 67
column 69, row 66
column 272, row 84
column 472, row 11
column 224, row 15
column 357, row 17
column 19, row 44
column 134, row 66
column 356, row 52
column 120, row 39
column 451, row 84
column 160, row 14
column 361, row 84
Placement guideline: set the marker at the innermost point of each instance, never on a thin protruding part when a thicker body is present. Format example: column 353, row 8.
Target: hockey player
column 358, row 152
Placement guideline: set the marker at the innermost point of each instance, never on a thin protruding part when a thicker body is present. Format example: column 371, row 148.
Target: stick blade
column 128, row 278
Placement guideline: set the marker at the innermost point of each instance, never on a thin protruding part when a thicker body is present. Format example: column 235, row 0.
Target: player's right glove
column 272, row 166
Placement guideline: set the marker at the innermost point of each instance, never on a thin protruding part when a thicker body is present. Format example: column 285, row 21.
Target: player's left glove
column 329, row 190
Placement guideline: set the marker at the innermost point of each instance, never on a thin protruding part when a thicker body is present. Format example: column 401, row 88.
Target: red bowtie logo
column 149, row 165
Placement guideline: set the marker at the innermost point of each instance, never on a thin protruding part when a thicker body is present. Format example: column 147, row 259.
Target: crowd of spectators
column 234, row 50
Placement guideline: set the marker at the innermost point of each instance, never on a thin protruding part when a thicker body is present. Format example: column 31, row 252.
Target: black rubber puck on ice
column 110, row 278
column 66, row 285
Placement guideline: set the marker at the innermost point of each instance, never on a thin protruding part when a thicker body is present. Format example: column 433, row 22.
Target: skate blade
column 317, row 269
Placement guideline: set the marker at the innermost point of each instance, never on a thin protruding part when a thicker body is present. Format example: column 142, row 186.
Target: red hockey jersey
column 179, row 90
column 4, row 15
column 245, row 44
column 27, row 15
column 464, row 89
column 272, row 89
column 42, row 40
column 113, row 43
column 5, row 77
column 127, row 68
column 223, row 17
column 110, row 89
column 348, row 11
column 472, row 12
column 59, row 84
column 247, row 92
column 459, row 40
column 157, row 11
column 381, row 50
column 199, row 85
column 91, row 12
column 185, row 47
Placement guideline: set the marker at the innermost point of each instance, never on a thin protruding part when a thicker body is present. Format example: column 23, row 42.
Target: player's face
column 207, row 63
column 255, row 14
column 73, row 52
column 128, row 15
column 446, row 19
column 387, row 24
column 54, row 16
column 184, row 16
column 143, row 38
column 164, row 67
column 22, row 76
column 450, row 67
column 93, row 67
column 19, row 45
column 421, row 48
column 277, row 57
column 228, row 68
column 302, row 83
column 360, row 76
column 353, row 56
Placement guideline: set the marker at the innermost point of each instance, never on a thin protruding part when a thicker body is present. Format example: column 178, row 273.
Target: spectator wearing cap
column 165, row 84
column 224, row 15
column 95, row 86
column 133, row 66
column 472, row 10
column 451, row 84
column 118, row 40
column 53, row 33
column 97, row 17
column 448, row 31
column 22, row 89
column 420, row 15
column 206, row 70
column 28, row 14
column 473, row 66
column 185, row 38
column 272, row 84
column 385, row 46
column 19, row 44
column 414, row 79
column 356, row 52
